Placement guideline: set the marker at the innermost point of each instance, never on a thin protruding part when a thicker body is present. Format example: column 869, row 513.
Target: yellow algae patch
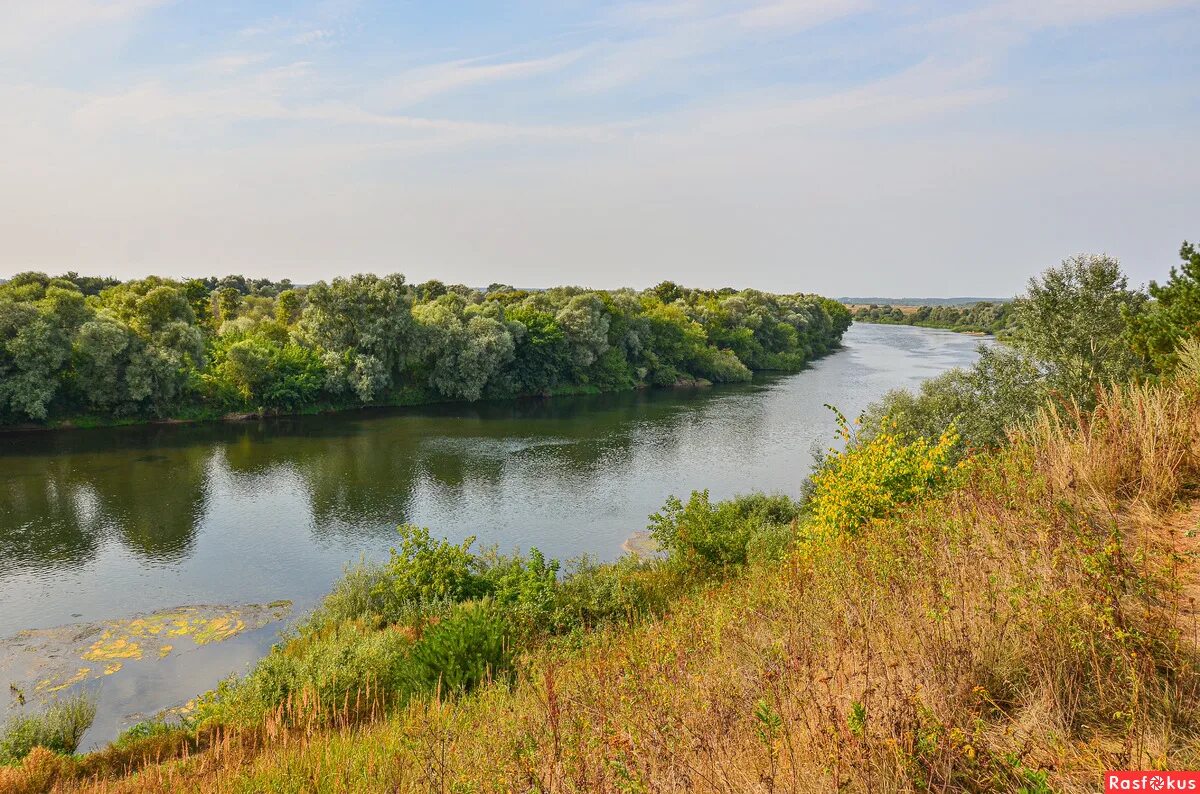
column 106, row 649
column 51, row 685
column 124, row 639
column 220, row 629
column 52, row 657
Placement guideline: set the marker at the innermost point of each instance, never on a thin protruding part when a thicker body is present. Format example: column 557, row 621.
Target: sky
column 847, row 147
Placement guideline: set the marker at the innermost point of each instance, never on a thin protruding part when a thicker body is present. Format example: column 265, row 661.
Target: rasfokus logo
column 1136, row 780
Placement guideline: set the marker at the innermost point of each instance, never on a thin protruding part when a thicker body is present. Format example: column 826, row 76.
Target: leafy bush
column 424, row 574
column 364, row 591
column 720, row 366
column 146, row 729
column 625, row 591
column 461, row 652
column 58, row 728
column 523, row 589
column 871, row 477
column 701, row 534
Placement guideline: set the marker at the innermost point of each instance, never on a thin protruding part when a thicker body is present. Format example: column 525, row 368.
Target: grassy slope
column 1027, row 630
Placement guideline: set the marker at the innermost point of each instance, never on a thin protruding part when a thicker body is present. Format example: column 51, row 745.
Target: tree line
column 82, row 346
column 984, row 317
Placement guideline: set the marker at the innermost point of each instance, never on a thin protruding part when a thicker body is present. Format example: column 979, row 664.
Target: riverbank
column 409, row 398
column 987, row 635
column 940, row 327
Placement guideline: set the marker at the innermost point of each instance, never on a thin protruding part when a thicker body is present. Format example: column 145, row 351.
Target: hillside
column 1023, row 625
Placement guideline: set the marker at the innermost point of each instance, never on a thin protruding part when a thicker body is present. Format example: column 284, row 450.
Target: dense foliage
column 74, row 346
column 983, row 317
column 1174, row 313
column 871, row 479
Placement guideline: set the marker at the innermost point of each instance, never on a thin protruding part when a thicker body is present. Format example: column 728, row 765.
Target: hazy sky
column 839, row 146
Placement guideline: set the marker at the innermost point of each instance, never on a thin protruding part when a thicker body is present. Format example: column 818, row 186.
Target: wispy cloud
column 1040, row 13
column 416, row 85
column 650, row 37
column 26, row 26
column 315, row 36
column 233, row 62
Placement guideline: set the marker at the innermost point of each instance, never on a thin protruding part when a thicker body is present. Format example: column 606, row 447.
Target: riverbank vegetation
column 953, row 607
column 97, row 351
column 984, row 317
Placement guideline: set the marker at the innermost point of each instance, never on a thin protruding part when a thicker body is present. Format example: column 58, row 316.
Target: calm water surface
column 105, row 524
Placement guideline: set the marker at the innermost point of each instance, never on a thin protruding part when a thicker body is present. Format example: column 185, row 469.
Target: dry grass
column 1137, row 448
column 1025, row 632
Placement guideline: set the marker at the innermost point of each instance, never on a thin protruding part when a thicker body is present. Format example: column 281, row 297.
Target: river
column 103, row 525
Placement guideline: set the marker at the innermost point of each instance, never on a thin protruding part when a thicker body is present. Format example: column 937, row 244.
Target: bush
column 711, row 536
column 720, row 366
column 461, row 652
column 425, row 575
column 523, row 590
column 362, row 592
column 872, row 477
column 58, row 728
column 625, row 591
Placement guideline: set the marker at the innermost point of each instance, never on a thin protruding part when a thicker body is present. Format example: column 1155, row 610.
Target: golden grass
column 1026, row 631
column 1137, row 448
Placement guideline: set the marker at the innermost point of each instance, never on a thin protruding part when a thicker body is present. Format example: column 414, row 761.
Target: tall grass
column 1139, row 446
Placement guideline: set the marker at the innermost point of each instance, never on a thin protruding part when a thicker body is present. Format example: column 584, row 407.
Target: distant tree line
column 80, row 346
column 983, row 317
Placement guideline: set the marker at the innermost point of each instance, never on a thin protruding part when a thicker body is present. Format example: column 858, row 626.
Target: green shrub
column 426, row 574
column 625, row 591
column 363, row 592
column 59, row 728
column 701, row 534
column 145, row 729
column 719, row 366
column 523, row 590
column 461, row 652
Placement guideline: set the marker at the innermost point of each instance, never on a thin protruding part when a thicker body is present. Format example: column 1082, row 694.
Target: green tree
column 462, row 351
column 1173, row 315
column 365, row 325
column 33, row 350
column 1074, row 319
column 584, row 321
column 288, row 305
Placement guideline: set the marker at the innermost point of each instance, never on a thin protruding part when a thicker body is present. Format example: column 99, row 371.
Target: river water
column 106, row 524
